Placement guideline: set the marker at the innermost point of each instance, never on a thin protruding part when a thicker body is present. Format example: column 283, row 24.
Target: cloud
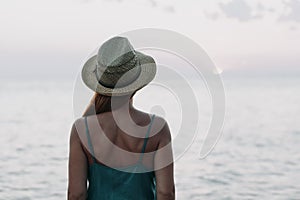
column 153, row 3
column 237, row 9
column 168, row 8
column 294, row 11
column 240, row 10
column 212, row 16
column 293, row 28
column 261, row 7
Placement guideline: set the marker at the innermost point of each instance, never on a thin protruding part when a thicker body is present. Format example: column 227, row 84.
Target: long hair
column 100, row 104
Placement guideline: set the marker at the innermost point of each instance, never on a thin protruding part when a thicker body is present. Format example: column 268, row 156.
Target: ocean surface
column 257, row 156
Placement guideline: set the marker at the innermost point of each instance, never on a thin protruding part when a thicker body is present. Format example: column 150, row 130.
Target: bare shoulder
column 77, row 128
column 78, row 123
column 161, row 128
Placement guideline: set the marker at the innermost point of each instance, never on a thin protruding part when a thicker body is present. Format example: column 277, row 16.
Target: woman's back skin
column 111, row 153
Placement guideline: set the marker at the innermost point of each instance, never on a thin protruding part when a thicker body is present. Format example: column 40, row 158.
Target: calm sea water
column 257, row 156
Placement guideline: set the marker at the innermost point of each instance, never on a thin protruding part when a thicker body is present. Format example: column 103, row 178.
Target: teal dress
column 106, row 183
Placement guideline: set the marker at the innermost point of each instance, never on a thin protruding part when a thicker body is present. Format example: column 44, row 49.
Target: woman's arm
column 78, row 165
column 165, row 176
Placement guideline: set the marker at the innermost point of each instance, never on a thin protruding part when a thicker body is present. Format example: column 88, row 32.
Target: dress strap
column 89, row 139
column 146, row 138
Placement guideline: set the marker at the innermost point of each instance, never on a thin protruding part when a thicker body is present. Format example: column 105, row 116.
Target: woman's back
column 117, row 143
column 133, row 181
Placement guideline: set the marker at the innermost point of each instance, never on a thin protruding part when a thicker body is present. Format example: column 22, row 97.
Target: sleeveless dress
column 106, row 183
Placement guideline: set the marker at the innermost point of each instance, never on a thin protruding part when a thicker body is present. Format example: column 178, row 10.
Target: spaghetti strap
column 89, row 139
column 146, row 138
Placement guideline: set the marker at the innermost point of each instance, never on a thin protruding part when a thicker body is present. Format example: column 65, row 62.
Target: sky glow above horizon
column 43, row 36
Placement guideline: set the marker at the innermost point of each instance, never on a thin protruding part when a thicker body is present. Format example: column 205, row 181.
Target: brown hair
column 100, row 104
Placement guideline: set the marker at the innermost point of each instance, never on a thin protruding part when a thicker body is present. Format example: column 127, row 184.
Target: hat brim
column 148, row 71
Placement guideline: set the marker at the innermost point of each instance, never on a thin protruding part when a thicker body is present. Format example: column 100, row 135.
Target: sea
column 256, row 156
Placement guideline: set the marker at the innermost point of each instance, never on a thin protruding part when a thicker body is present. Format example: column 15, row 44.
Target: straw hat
column 118, row 69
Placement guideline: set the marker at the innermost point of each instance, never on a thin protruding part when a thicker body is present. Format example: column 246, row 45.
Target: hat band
column 117, row 79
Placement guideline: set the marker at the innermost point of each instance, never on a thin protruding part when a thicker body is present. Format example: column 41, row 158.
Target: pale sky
column 52, row 38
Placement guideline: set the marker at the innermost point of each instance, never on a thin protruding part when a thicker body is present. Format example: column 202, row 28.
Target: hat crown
column 117, row 58
column 115, row 52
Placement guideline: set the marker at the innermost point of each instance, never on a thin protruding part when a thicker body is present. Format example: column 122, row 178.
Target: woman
column 122, row 153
